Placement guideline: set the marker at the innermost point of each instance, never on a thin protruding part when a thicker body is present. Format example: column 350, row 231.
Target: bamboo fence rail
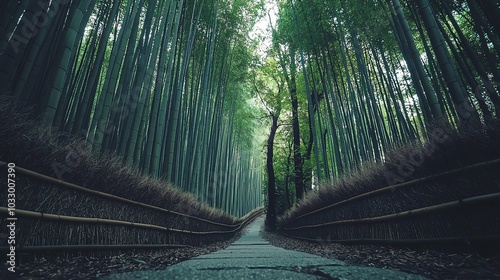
column 71, row 219
column 394, row 187
column 42, row 248
column 41, row 216
column 466, row 239
column 62, row 218
column 472, row 219
column 471, row 201
column 62, row 183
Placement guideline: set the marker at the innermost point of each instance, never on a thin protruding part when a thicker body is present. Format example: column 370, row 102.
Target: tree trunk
column 271, row 179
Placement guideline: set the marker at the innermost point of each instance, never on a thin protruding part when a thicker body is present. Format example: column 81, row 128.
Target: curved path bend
column 252, row 257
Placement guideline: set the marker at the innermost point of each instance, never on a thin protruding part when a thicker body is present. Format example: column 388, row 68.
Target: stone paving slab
column 252, row 257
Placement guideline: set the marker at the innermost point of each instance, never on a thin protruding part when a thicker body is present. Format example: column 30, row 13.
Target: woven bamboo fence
column 423, row 211
column 54, row 216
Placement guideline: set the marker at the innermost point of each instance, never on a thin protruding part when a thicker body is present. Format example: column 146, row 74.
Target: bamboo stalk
column 419, row 211
column 49, row 179
column 397, row 186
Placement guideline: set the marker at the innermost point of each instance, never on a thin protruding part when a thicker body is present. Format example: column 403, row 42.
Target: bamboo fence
column 471, row 219
column 36, row 221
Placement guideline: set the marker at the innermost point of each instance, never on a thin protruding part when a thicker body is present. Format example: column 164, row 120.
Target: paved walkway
column 252, row 257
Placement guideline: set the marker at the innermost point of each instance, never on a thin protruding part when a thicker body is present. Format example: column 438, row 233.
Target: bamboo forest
column 138, row 135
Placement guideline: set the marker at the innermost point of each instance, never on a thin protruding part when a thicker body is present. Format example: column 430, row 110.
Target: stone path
column 252, row 257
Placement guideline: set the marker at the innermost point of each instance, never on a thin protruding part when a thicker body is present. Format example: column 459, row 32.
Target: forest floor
column 87, row 267
column 429, row 263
